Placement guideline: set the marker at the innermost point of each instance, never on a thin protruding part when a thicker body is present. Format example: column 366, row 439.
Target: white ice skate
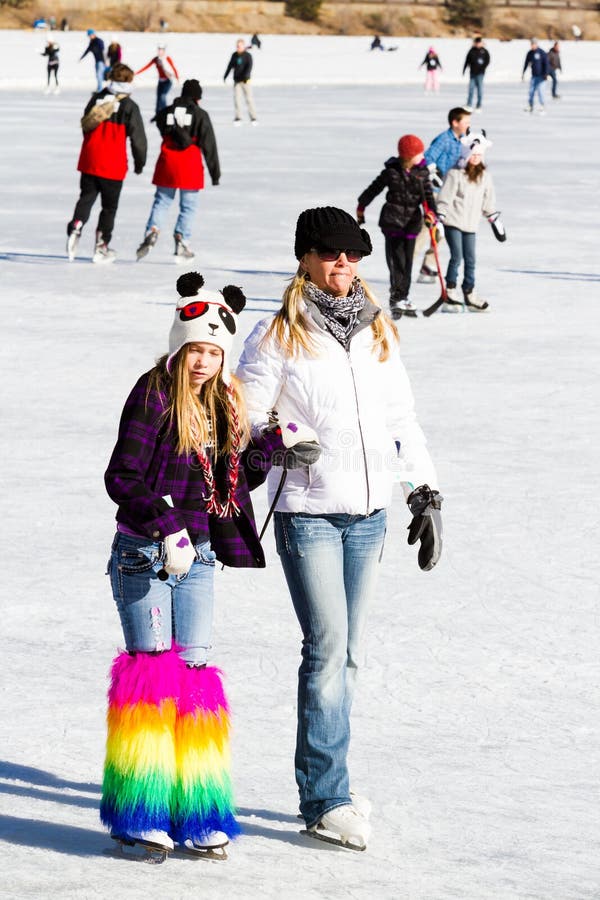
column 452, row 304
column 361, row 804
column 211, row 846
column 73, row 238
column 474, row 303
column 426, row 275
column 103, row 253
column 147, row 244
column 155, row 844
column 344, row 826
column 183, row 251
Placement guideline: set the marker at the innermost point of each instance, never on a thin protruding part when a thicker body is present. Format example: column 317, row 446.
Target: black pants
column 51, row 69
column 110, row 191
column 399, row 252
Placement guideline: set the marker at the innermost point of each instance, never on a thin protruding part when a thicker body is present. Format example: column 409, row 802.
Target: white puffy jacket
column 358, row 407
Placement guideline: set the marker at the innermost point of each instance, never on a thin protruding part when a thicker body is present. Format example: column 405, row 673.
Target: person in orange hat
column 406, row 179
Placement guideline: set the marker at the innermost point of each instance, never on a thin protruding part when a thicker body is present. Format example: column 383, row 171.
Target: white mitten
column 179, row 553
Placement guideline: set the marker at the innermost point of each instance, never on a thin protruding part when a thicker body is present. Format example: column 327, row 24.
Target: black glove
column 497, row 226
column 426, row 525
column 215, row 183
column 305, row 453
column 138, row 169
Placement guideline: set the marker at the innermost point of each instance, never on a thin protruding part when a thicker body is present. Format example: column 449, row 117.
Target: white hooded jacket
column 357, row 406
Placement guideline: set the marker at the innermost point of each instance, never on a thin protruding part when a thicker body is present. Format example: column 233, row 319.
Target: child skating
column 467, row 194
column 406, row 179
column 177, row 474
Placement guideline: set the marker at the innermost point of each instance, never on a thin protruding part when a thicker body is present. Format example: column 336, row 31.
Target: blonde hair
column 290, row 326
column 198, row 419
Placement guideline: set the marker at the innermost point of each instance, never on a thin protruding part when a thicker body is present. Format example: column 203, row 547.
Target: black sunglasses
column 331, row 255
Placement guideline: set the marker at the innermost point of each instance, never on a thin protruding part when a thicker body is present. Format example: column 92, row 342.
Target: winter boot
column 202, row 810
column 148, row 242
column 73, row 235
column 103, row 253
column 474, row 303
column 183, row 252
column 140, row 770
column 452, row 304
column 346, row 824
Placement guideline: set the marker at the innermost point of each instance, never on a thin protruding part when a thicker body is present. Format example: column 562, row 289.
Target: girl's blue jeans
column 462, row 246
column 188, row 204
column 156, row 614
column 331, row 564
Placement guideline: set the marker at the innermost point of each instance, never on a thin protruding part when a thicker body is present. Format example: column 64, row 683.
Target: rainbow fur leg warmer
column 203, row 798
column 140, row 767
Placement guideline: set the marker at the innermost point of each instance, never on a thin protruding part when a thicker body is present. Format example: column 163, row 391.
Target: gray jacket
column 461, row 203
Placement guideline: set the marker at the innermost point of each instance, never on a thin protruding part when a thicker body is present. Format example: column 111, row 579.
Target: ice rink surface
column 475, row 727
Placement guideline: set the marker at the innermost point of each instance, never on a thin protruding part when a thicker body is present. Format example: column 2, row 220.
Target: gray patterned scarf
column 340, row 313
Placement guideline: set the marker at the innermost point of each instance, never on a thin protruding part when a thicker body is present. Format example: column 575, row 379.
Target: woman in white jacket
column 466, row 195
column 328, row 361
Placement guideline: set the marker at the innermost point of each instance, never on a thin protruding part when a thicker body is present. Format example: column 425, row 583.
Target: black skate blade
column 327, row 838
column 219, row 852
column 139, row 851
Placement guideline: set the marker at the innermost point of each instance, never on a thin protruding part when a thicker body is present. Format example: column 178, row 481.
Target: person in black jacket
column 406, row 179
column 538, row 61
column 241, row 66
column 554, row 66
column 477, row 61
column 51, row 51
column 96, row 48
column 188, row 141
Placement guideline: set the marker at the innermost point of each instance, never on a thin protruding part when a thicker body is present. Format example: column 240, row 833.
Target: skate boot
column 361, row 804
column 473, row 303
column 183, row 252
column 403, row 307
column 343, row 825
column 73, row 235
column 452, row 304
column 426, row 275
column 148, row 242
column 211, row 846
column 103, row 253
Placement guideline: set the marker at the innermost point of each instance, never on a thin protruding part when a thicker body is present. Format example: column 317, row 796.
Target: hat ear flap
column 234, row 297
column 189, row 284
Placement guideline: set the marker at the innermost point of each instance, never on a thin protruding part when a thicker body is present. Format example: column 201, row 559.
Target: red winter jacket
column 188, row 138
column 104, row 150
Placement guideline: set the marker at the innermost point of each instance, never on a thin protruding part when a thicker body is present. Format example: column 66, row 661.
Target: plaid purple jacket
column 145, row 467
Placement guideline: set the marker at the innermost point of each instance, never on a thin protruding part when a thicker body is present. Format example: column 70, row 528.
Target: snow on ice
column 475, row 730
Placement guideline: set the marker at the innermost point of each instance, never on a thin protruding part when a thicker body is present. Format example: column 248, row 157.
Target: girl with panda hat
column 180, row 474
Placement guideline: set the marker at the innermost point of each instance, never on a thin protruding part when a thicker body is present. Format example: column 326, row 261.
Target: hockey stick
column 444, row 295
column 274, row 503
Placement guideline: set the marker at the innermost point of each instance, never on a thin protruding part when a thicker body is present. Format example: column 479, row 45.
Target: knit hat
column 410, row 145
column 329, row 228
column 90, row 32
column 473, row 142
column 210, row 317
column 192, row 89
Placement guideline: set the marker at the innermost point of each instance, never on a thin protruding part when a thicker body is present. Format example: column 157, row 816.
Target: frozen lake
column 475, row 729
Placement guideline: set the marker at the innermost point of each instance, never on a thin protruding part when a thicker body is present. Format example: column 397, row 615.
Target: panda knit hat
column 205, row 316
column 329, row 228
column 473, row 142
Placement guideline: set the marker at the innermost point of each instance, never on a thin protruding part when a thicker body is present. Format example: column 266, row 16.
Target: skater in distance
column 178, row 474
column 109, row 119
column 329, row 359
column 240, row 64
column 537, row 61
column 405, row 179
column 477, row 61
column 52, row 50
column 188, row 140
column 96, row 48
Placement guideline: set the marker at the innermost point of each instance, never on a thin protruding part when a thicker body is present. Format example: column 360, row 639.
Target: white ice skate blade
column 329, row 837
column 217, row 851
column 140, row 851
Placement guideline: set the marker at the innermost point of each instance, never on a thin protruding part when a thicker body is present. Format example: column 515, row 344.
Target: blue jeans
column 554, row 78
column 535, row 87
column 331, row 564
column 99, row 67
column 462, row 246
column 188, row 204
column 154, row 613
column 475, row 85
column 162, row 90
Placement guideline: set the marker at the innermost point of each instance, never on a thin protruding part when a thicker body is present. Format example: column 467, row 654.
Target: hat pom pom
column 189, row 284
column 234, row 297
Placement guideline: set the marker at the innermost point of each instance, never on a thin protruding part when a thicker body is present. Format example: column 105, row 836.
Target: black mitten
column 426, row 526
column 497, row 226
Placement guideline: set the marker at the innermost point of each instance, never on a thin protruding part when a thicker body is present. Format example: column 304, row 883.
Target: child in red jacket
column 188, row 138
column 109, row 119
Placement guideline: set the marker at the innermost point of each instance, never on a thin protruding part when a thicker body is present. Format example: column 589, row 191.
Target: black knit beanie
column 191, row 89
column 329, row 228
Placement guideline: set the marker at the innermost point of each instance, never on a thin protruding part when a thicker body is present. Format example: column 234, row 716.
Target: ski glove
column 497, row 226
column 426, row 525
column 300, row 446
column 179, row 553
column 360, row 215
column 435, row 176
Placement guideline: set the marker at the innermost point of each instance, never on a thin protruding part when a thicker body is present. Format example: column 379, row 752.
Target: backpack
column 100, row 112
